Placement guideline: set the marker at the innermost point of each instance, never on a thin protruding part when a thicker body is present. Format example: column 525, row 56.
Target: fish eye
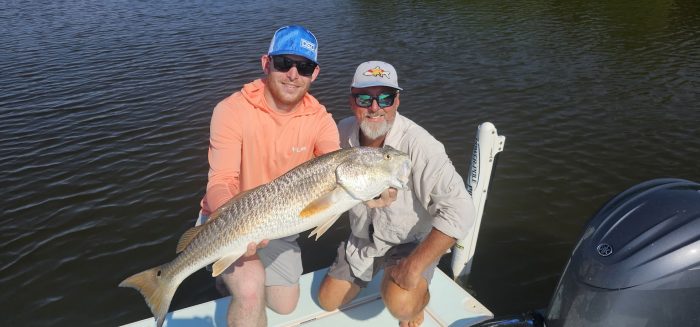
column 387, row 156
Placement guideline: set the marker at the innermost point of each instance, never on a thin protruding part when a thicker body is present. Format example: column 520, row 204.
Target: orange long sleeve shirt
column 251, row 144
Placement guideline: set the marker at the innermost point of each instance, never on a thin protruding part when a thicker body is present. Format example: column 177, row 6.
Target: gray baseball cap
column 375, row 73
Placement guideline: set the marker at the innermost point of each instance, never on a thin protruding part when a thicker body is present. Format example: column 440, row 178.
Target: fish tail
column 156, row 289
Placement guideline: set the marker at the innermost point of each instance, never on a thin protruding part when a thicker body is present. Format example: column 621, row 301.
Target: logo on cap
column 306, row 44
column 376, row 72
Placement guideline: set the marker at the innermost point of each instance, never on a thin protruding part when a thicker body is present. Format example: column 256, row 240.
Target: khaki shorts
column 281, row 259
column 340, row 269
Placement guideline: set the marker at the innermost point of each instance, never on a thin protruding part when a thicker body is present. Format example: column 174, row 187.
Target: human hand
column 405, row 275
column 384, row 199
column 253, row 248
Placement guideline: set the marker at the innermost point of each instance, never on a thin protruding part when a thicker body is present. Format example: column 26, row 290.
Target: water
column 105, row 106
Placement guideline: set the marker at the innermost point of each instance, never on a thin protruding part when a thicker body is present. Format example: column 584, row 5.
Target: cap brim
column 287, row 52
column 372, row 83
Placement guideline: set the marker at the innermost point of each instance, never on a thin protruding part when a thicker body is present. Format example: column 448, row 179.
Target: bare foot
column 415, row 322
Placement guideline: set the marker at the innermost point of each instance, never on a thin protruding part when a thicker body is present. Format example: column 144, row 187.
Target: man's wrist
column 415, row 264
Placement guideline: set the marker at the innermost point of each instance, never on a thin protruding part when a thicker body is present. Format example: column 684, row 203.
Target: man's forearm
column 430, row 249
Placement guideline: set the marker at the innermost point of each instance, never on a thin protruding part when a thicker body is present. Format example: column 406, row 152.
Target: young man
column 257, row 134
column 408, row 237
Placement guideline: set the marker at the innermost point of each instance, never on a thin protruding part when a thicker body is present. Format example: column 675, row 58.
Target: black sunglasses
column 283, row 64
column 383, row 100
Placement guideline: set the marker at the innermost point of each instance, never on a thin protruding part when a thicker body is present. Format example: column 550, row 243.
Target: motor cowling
column 637, row 262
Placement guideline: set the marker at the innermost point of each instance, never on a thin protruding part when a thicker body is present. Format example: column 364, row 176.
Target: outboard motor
column 637, row 262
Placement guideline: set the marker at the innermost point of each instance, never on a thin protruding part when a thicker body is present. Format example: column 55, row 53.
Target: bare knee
column 283, row 309
column 282, row 299
column 248, row 294
column 246, row 285
column 403, row 304
column 326, row 299
column 334, row 293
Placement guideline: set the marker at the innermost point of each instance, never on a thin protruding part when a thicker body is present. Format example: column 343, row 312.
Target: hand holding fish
column 384, row 199
column 253, row 248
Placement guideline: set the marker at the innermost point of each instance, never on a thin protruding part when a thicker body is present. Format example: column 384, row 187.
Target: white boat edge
column 449, row 305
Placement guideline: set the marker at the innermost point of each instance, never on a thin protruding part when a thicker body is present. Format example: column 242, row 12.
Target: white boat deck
column 449, row 305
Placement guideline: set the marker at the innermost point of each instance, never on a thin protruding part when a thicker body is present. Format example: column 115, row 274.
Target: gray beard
column 374, row 131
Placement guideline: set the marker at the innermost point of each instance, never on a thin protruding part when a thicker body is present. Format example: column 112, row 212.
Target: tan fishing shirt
column 435, row 197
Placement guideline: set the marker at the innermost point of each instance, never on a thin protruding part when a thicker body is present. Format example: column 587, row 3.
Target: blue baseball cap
column 295, row 40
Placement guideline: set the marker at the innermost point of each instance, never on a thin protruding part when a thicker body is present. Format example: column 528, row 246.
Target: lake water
column 105, row 108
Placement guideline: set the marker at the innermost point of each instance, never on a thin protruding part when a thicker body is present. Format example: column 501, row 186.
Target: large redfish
column 313, row 194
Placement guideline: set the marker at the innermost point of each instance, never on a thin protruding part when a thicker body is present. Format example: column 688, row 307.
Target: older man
column 407, row 237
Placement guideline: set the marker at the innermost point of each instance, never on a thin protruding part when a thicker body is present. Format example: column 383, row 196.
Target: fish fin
column 187, row 237
column 322, row 203
column 155, row 288
column 220, row 265
column 321, row 229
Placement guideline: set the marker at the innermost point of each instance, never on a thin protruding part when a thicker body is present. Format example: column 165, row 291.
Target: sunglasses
column 383, row 100
column 283, row 64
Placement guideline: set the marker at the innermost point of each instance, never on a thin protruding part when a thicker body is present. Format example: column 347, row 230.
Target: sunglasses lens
column 383, row 100
column 363, row 100
column 306, row 68
column 284, row 64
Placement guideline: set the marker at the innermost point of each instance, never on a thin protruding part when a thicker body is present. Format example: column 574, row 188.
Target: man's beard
column 375, row 130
